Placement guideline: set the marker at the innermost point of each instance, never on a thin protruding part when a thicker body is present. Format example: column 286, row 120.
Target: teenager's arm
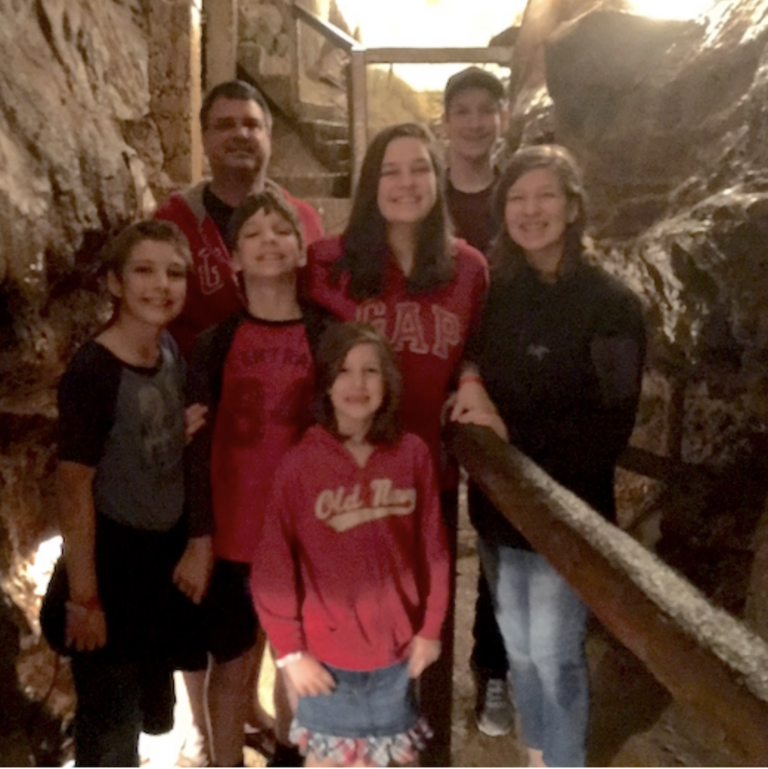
column 86, row 626
column 470, row 395
column 87, row 400
column 197, row 454
column 433, row 566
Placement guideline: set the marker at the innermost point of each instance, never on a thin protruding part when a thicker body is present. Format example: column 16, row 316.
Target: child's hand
column 86, row 628
column 193, row 571
column 308, row 677
column 194, row 419
column 423, row 652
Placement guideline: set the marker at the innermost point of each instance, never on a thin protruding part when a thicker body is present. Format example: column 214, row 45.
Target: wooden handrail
column 495, row 55
column 329, row 31
column 702, row 655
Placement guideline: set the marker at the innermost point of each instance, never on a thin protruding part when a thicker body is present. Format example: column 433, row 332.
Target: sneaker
column 191, row 757
column 495, row 713
column 261, row 740
column 286, row 755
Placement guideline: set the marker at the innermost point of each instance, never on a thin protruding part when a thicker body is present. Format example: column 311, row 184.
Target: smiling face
column 267, row 248
column 152, row 285
column 358, row 390
column 407, row 189
column 236, row 137
column 536, row 214
column 473, row 122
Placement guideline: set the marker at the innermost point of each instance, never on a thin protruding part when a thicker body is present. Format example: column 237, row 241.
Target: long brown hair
column 506, row 257
column 366, row 251
column 334, row 347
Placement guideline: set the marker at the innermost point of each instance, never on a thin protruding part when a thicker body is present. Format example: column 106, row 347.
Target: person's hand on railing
column 471, row 404
column 482, row 418
column 470, row 395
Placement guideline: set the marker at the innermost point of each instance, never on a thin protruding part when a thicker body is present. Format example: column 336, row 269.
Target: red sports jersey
column 428, row 331
column 266, row 396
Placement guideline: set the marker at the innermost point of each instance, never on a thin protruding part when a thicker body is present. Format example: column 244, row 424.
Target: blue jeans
column 543, row 623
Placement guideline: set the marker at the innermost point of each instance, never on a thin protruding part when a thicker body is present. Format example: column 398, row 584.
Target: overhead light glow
column 429, row 23
column 671, row 9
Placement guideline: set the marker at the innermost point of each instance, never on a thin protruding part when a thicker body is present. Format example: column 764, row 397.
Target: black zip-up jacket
column 563, row 363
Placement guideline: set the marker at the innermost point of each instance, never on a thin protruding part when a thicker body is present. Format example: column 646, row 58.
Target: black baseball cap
column 472, row 77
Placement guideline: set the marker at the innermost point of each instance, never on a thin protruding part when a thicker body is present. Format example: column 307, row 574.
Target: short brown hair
column 472, row 77
column 236, row 90
column 269, row 201
column 334, row 347
column 118, row 250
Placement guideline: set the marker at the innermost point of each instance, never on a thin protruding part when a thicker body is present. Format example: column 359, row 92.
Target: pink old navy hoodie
column 352, row 562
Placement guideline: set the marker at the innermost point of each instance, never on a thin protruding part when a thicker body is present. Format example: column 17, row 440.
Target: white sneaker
column 495, row 713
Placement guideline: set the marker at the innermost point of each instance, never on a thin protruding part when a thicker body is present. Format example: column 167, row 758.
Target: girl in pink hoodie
column 351, row 573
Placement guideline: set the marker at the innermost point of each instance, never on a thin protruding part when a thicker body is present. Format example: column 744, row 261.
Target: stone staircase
column 318, row 123
column 329, row 141
column 296, row 166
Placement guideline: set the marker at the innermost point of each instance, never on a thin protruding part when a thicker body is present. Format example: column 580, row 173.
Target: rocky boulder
column 74, row 97
column 667, row 121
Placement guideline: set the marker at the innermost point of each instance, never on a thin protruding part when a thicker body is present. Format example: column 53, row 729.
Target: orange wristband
column 470, row 378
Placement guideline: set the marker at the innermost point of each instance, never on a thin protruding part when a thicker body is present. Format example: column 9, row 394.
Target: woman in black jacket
column 555, row 367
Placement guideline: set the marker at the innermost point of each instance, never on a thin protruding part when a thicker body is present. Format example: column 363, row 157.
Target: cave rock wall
column 74, row 95
column 83, row 138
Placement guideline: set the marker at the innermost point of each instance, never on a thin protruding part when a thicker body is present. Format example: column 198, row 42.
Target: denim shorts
column 379, row 703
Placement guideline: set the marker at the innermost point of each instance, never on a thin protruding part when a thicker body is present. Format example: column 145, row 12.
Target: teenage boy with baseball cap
column 474, row 118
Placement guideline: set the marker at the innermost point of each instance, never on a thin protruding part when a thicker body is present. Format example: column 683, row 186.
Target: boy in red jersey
column 255, row 372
